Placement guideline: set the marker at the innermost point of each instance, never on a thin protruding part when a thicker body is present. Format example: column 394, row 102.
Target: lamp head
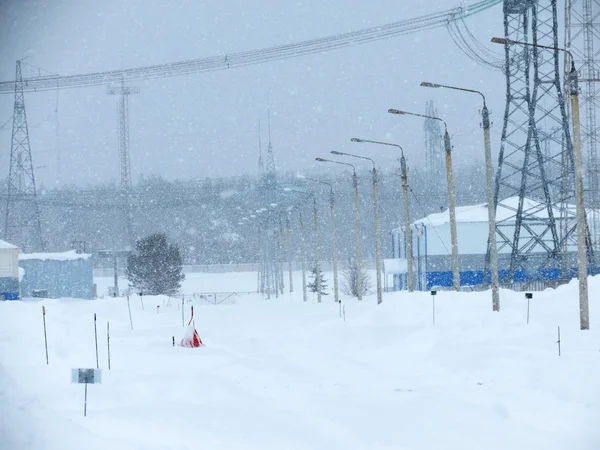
column 497, row 40
column 320, row 159
column 333, row 152
column 395, row 111
column 431, row 85
column 356, row 140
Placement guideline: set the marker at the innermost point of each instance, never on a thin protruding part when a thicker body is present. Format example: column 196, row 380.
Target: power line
column 252, row 57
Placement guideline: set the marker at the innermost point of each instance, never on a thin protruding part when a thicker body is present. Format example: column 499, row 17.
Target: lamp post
column 485, row 116
column 359, row 277
column 572, row 82
column 377, row 231
column 451, row 201
column 288, row 234
column 334, row 243
column 404, row 177
column 303, row 251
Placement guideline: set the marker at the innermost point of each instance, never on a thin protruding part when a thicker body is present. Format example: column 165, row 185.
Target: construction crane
column 21, row 162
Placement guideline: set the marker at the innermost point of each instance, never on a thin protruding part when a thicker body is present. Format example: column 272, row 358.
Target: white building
column 9, row 271
column 432, row 260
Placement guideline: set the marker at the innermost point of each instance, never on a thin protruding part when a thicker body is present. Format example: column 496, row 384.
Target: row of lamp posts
column 572, row 85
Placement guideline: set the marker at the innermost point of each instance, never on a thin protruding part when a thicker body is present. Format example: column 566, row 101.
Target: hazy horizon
column 205, row 125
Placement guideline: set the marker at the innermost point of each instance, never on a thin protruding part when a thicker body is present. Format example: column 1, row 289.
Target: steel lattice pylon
column 582, row 34
column 124, row 92
column 22, row 225
column 434, row 155
column 535, row 181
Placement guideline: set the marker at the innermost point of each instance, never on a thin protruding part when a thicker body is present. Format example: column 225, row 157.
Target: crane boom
column 252, row 57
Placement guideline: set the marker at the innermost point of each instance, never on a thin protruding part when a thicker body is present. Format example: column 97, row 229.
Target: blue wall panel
column 69, row 278
column 9, row 288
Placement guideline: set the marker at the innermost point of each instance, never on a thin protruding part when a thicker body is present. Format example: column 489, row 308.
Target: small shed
column 9, row 271
column 56, row 275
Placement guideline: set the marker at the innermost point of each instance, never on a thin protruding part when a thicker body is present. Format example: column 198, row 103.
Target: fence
column 530, row 286
column 225, row 268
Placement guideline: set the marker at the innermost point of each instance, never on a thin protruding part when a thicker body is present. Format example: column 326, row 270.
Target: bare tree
column 354, row 282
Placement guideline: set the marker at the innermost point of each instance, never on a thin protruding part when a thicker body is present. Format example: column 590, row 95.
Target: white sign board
column 395, row 266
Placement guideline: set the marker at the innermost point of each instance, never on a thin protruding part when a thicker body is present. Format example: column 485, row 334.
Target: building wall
column 432, row 260
column 9, row 273
column 68, row 278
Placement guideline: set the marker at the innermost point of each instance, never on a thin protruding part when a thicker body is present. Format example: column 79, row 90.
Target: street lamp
column 317, row 247
column 404, row 176
column 376, row 213
column 334, row 246
column 485, row 116
column 451, row 201
column 359, row 275
column 572, row 82
column 303, row 251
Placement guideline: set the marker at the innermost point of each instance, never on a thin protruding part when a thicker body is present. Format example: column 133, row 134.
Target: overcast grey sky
column 205, row 124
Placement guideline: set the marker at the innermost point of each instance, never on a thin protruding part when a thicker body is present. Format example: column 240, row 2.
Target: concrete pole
column 491, row 210
column 288, row 234
column 116, row 269
column 452, row 211
column 377, row 237
column 584, row 314
column 407, row 229
column 334, row 246
column 359, row 276
column 317, row 262
column 303, row 251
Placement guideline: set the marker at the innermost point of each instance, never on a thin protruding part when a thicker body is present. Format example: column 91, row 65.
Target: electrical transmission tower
column 434, row 156
column 124, row 159
column 535, row 181
column 22, row 225
column 581, row 38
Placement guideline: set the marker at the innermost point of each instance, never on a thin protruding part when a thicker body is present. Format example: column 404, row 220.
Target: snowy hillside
column 283, row 374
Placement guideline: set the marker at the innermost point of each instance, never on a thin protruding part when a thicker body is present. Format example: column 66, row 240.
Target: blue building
column 57, row 275
column 432, row 261
column 9, row 271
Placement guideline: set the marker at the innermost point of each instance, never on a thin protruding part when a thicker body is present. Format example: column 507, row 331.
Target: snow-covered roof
column 479, row 213
column 4, row 244
column 64, row 256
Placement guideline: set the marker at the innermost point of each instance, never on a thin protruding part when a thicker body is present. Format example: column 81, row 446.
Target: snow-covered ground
column 283, row 374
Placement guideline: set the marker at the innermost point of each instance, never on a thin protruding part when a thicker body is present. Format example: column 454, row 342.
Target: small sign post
column 45, row 336
column 129, row 309
column 108, row 342
column 86, row 376
column 96, row 341
column 528, row 296
column 433, row 294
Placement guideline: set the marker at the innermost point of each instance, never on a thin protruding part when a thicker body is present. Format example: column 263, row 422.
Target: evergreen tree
column 313, row 286
column 155, row 267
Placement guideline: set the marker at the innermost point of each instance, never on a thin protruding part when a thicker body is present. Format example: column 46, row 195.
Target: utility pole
column 493, row 249
column 451, row 201
column 303, row 251
column 289, row 248
column 317, row 246
column 572, row 84
column 377, row 231
column 584, row 312
column 407, row 229
column 334, row 237
column 359, row 274
column 408, row 232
